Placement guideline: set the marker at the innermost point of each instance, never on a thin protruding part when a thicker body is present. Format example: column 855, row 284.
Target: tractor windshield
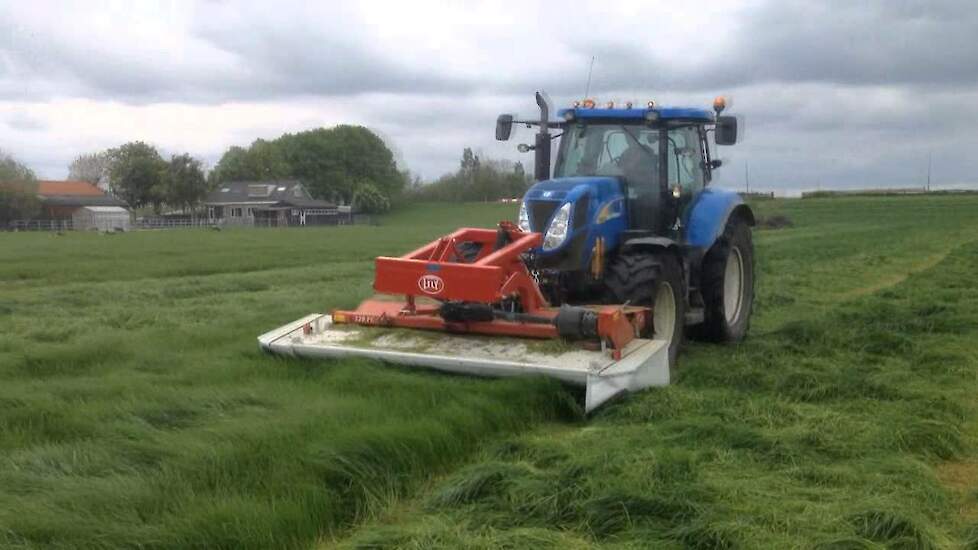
column 630, row 152
column 627, row 151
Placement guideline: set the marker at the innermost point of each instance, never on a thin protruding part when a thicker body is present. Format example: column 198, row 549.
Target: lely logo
column 431, row 284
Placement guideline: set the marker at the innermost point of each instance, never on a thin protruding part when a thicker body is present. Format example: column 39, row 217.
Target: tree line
column 475, row 180
column 344, row 164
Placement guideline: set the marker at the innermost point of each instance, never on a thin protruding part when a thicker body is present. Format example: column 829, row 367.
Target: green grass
column 136, row 410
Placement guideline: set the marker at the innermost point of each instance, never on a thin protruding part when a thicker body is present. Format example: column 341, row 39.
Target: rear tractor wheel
column 656, row 281
column 728, row 285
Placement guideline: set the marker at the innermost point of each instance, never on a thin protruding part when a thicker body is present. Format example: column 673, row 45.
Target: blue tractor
column 628, row 216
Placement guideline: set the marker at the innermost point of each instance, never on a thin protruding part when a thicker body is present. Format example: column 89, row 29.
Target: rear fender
column 709, row 215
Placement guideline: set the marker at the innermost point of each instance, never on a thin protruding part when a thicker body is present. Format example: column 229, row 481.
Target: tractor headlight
column 524, row 221
column 557, row 232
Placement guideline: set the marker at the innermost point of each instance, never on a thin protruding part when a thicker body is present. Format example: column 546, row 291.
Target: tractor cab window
column 630, row 152
column 685, row 158
column 615, row 145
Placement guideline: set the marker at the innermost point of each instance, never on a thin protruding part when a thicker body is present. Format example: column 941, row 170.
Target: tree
column 231, row 167
column 185, row 182
column 91, row 167
column 263, row 160
column 468, row 172
column 266, row 161
column 138, row 174
column 477, row 179
column 18, row 190
column 333, row 163
column 368, row 198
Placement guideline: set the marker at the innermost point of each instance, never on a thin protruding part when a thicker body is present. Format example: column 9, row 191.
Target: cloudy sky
column 833, row 94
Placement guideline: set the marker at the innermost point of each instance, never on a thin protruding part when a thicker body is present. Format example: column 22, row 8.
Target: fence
column 41, row 225
column 186, row 223
column 174, row 223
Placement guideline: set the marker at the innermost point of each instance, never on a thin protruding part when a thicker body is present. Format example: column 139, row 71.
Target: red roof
column 73, row 188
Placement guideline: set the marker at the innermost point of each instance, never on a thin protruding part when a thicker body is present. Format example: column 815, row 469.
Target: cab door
column 685, row 173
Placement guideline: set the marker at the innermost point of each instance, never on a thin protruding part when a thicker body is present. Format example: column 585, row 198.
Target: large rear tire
column 656, row 281
column 728, row 285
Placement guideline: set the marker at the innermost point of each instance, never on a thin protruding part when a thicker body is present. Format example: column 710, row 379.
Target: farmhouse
column 270, row 203
column 87, row 206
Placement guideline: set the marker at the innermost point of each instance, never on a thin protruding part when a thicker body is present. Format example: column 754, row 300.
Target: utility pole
column 747, row 175
column 929, row 154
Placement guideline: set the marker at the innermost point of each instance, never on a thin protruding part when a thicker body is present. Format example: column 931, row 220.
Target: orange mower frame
column 496, row 275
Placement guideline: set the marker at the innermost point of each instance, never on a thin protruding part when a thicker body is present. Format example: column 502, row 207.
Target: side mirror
column 504, row 127
column 726, row 130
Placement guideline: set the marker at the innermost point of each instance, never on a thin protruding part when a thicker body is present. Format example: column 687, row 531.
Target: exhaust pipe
column 541, row 164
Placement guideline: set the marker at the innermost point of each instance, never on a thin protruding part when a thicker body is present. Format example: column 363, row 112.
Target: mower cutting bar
column 383, row 313
column 643, row 363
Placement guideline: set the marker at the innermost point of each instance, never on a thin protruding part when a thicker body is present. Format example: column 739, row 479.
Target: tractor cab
column 660, row 157
column 621, row 173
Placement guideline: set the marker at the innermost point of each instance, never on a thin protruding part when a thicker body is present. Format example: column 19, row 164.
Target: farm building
column 269, row 203
column 84, row 204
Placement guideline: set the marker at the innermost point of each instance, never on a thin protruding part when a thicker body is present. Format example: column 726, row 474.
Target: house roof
column 74, row 193
column 49, row 188
column 267, row 193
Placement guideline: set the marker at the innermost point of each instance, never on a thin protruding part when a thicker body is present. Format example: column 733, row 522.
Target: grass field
column 136, row 410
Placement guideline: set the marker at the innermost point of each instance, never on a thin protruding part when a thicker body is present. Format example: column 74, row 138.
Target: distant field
column 136, row 410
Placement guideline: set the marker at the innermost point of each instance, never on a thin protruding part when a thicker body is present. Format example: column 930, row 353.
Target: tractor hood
column 570, row 189
column 585, row 193
column 545, row 197
column 573, row 204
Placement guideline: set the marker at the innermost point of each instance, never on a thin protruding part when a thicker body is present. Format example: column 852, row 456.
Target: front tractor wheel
column 656, row 281
column 728, row 285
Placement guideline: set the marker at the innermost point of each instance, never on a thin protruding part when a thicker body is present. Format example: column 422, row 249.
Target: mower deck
column 643, row 363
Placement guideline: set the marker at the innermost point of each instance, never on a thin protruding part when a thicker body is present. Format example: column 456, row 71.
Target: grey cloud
column 290, row 61
column 246, row 59
column 925, row 45
column 40, row 65
column 253, row 55
column 858, row 43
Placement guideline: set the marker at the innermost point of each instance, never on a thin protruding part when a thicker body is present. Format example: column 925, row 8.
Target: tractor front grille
column 540, row 212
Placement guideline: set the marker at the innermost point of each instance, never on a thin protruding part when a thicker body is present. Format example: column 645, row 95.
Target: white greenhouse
column 102, row 218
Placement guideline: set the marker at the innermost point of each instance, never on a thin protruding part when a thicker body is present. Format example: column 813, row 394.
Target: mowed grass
column 136, row 410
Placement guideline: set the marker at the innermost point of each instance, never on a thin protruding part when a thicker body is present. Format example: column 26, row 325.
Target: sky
column 843, row 94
